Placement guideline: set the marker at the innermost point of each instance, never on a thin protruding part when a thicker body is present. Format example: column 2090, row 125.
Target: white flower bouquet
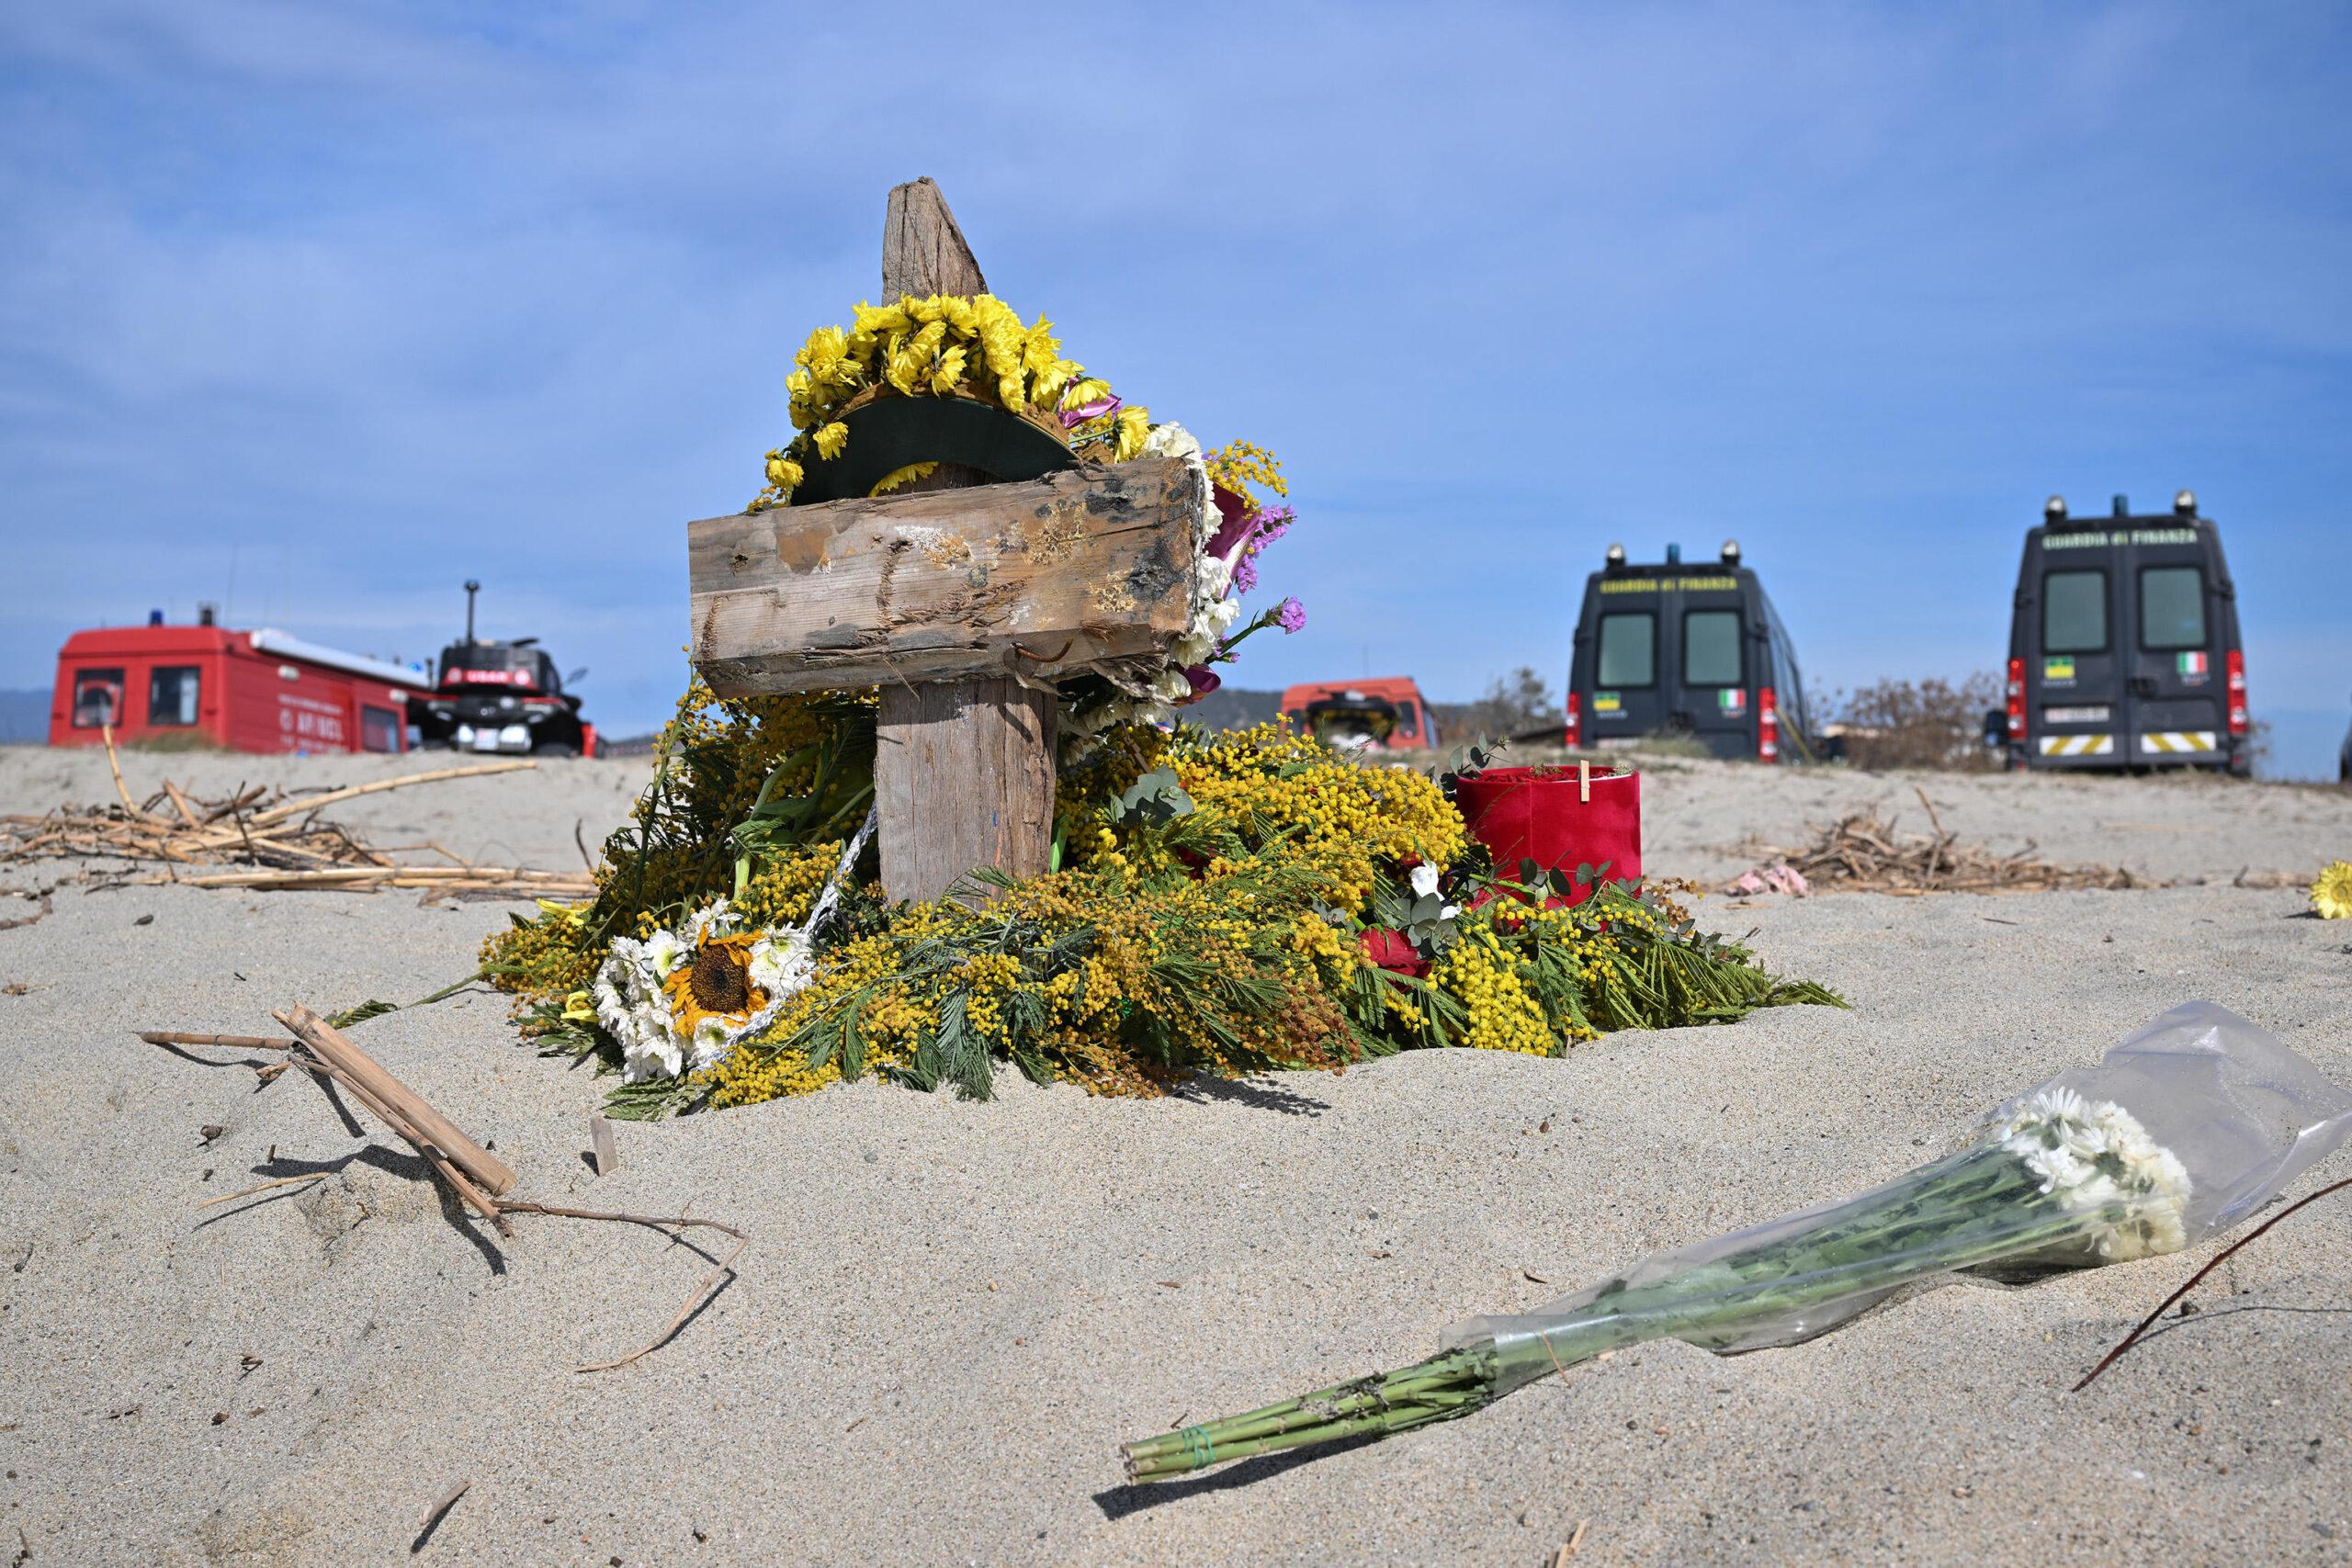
column 2182, row 1130
column 678, row 1000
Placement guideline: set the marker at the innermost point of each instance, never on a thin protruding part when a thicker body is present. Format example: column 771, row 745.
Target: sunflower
column 716, row 982
column 681, row 1000
column 2331, row 891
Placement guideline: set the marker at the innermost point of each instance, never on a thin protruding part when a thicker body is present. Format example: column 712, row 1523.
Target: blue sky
column 368, row 299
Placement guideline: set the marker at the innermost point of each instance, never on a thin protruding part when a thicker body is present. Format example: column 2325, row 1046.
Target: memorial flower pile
column 1220, row 903
column 2073, row 1173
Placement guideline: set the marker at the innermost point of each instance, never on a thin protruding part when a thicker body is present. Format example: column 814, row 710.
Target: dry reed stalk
column 283, row 845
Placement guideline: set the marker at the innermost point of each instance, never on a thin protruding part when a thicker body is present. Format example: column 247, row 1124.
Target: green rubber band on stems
column 1199, row 1451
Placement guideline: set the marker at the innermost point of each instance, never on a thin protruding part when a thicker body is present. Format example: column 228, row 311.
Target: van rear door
column 1624, row 661
column 2173, row 618
column 1715, row 657
column 2074, row 673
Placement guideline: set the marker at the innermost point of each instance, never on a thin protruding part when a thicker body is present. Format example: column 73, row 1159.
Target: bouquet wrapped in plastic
column 2183, row 1129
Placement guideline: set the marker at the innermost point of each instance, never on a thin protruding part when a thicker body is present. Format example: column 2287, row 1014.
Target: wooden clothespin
column 1584, row 782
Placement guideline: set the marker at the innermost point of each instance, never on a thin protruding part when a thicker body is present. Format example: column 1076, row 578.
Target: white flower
column 664, row 952
column 1195, row 646
column 1424, row 880
column 1216, row 576
column 780, row 968
column 1224, row 613
column 1170, row 440
column 2102, row 1165
column 1156, row 713
column 1169, row 685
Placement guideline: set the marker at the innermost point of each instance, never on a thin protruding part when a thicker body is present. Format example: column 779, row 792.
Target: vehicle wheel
column 554, row 748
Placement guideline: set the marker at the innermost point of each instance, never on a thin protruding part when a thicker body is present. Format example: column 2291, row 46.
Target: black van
column 2123, row 649
column 1696, row 652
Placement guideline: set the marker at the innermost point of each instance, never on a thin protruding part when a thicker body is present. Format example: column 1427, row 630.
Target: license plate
column 2096, row 714
column 485, row 740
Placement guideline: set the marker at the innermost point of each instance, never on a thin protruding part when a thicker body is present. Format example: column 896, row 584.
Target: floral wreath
column 1001, row 396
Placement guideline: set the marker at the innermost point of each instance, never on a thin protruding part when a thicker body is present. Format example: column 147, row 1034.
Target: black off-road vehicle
column 502, row 698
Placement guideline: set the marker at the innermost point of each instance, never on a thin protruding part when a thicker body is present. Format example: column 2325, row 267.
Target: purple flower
column 1071, row 418
column 1289, row 614
column 1204, row 679
column 1244, row 573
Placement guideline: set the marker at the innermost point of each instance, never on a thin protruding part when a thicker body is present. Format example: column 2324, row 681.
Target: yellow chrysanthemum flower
column 2331, row 891
column 949, row 371
column 783, row 472
column 875, row 320
column 905, row 475
column 1135, row 424
column 831, row 438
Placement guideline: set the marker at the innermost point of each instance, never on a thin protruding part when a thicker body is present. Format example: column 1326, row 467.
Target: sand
column 952, row 1312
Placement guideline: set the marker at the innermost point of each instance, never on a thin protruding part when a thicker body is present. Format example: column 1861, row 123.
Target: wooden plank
column 964, row 768
column 923, row 251
column 600, row 1142
column 1091, row 563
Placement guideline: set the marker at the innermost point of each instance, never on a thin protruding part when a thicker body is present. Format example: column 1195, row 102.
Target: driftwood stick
column 312, row 802
column 230, row 1042
column 114, row 766
column 391, row 1118
column 332, row 1047
column 703, row 1292
column 442, row 1505
column 278, row 1181
column 179, row 803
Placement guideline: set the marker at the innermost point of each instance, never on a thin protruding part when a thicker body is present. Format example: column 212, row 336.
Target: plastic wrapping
column 2183, row 1129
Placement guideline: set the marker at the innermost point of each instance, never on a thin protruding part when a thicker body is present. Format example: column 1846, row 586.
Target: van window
column 2074, row 612
column 2172, row 607
column 1628, row 649
column 171, row 693
column 1408, row 719
column 379, row 728
column 1711, row 649
column 98, row 698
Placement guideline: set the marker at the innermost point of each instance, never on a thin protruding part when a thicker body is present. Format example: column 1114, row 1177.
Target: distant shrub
column 1918, row 724
column 1518, row 703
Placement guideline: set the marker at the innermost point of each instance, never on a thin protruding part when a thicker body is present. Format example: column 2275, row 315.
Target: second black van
column 1677, row 651
column 2124, row 649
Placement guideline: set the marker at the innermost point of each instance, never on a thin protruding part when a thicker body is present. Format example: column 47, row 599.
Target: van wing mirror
column 1996, row 727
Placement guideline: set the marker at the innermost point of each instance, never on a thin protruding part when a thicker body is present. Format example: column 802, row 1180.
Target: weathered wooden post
column 944, row 593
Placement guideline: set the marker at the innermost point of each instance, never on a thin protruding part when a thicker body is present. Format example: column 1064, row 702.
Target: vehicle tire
column 555, row 749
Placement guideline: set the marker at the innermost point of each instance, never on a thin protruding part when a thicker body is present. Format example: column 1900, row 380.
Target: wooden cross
column 944, row 594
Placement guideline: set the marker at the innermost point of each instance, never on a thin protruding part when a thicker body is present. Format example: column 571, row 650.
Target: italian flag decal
column 1731, row 699
column 2192, row 664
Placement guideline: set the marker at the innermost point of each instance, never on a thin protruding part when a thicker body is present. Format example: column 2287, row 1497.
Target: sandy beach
column 951, row 1314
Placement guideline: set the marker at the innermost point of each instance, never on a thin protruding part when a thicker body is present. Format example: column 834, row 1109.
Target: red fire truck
column 1385, row 711
column 246, row 691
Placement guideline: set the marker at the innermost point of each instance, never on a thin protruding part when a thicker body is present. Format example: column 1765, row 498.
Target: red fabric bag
column 1541, row 814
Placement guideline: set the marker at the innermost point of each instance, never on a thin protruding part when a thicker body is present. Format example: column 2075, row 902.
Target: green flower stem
column 1977, row 1207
